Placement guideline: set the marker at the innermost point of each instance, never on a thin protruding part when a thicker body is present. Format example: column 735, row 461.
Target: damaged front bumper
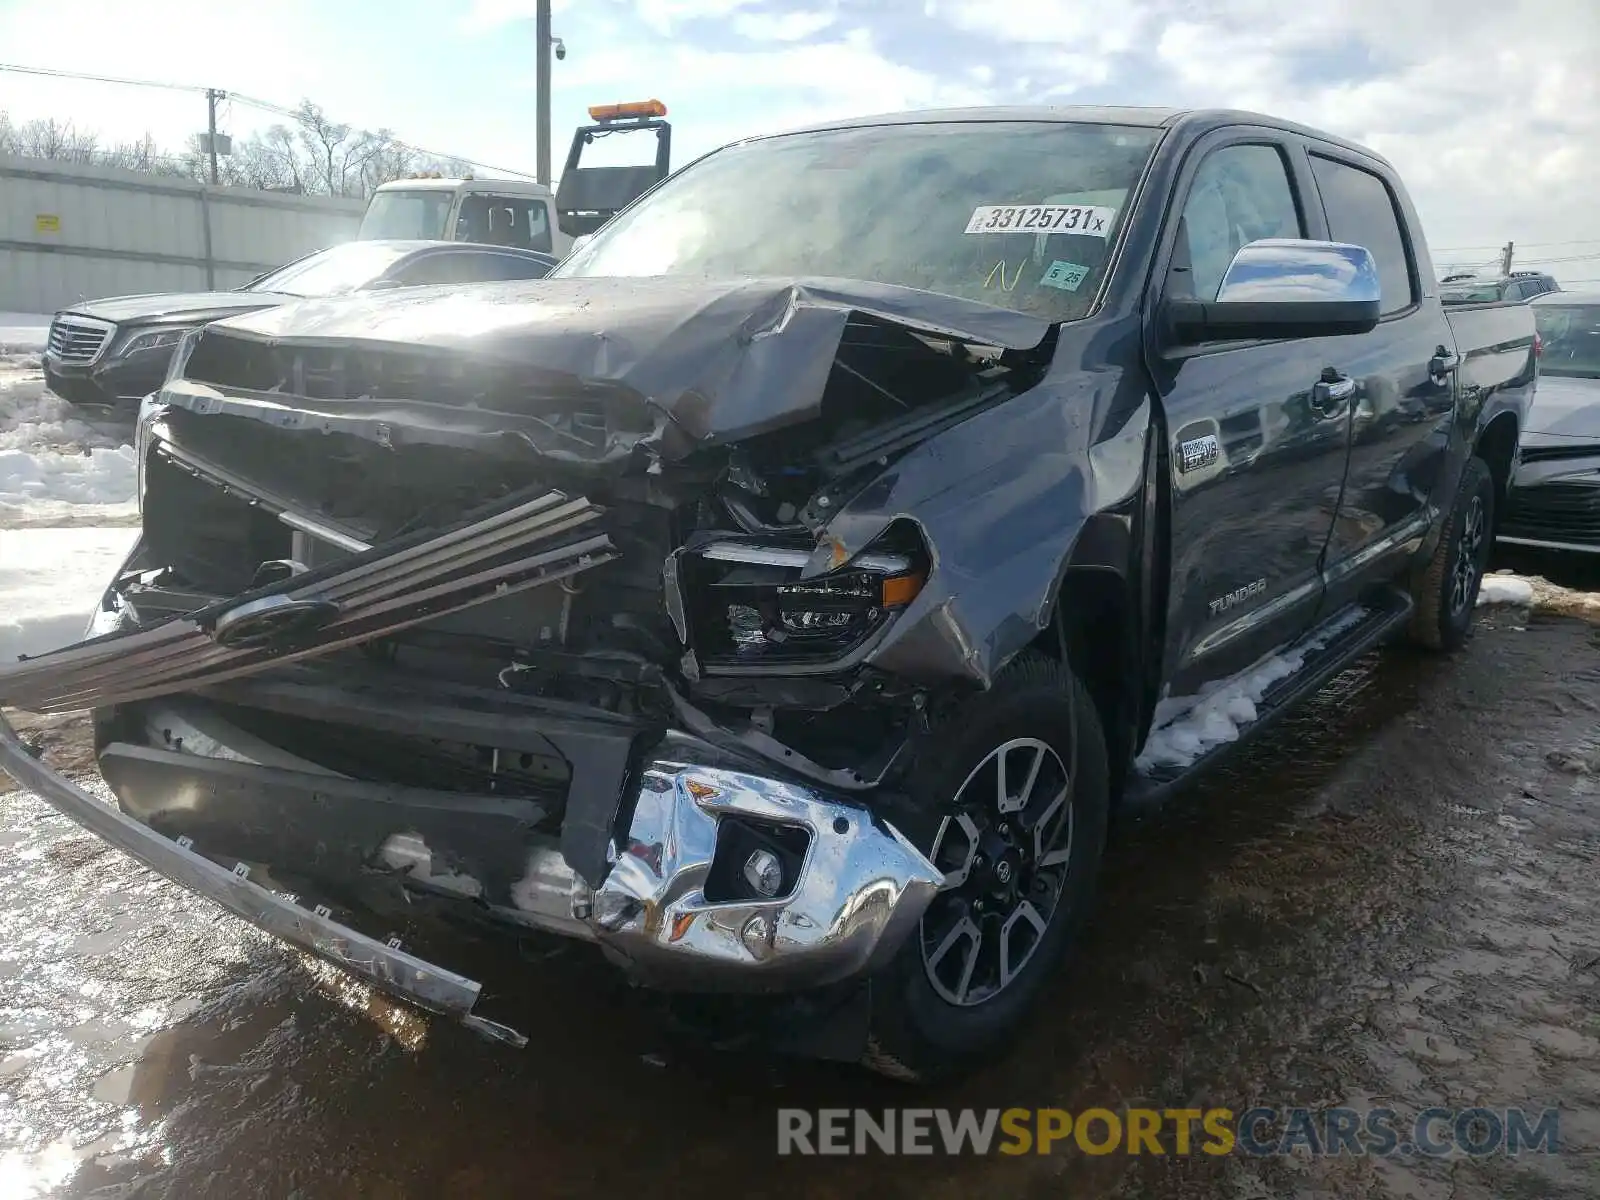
column 857, row 889
column 693, row 868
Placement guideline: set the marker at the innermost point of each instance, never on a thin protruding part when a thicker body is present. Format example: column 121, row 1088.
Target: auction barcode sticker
column 1042, row 218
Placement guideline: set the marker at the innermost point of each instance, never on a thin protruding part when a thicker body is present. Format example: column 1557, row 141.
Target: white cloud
column 740, row 93
column 1069, row 26
column 491, row 14
column 1491, row 111
column 782, row 27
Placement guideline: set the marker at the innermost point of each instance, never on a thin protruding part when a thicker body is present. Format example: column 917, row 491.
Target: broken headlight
column 151, row 410
column 748, row 605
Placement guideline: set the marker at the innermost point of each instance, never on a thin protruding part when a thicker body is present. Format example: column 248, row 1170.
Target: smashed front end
column 613, row 617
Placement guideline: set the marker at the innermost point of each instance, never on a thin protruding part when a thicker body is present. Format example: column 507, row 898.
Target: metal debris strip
column 390, row 969
column 376, row 594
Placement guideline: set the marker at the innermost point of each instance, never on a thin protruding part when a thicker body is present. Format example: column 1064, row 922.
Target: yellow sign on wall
column 47, row 223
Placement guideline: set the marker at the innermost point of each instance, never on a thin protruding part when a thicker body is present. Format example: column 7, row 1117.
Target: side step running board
column 1326, row 654
column 355, row 600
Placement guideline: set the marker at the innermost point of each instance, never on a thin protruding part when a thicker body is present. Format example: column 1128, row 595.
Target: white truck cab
column 500, row 212
column 512, row 212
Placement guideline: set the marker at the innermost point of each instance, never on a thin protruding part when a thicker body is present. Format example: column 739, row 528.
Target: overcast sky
column 1491, row 108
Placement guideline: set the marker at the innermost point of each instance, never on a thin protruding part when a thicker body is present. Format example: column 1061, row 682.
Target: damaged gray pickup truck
column 786, row 594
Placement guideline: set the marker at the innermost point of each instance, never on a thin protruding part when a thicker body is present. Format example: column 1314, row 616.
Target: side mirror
column 1285, row 288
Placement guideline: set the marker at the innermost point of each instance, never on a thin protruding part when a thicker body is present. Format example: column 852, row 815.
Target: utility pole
column 212, row 96
column 1505, row 258
column 542, row 89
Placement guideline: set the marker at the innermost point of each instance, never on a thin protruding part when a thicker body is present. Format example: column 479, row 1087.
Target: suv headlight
column 143, row 340
column 746, row 605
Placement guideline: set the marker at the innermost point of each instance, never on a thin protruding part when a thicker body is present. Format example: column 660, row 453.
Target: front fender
column 1001, row 501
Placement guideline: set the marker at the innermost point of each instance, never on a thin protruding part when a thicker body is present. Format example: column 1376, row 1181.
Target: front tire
column 1016, row 787
column 1445, row 591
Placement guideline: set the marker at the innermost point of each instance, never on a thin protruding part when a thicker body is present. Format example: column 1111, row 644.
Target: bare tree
column 281, row 145
column 142, row 155
column 52, row 139
column 314, row 155
column 325, row 142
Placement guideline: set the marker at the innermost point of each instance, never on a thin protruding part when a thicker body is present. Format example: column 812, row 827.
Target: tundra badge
column 1223, row 603
column 1198, row 452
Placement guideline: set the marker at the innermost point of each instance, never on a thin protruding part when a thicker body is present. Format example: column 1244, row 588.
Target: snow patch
column 57, row 468
column 23, row 332
column 50, row 581
column 1505, row 588
column 1185, row 729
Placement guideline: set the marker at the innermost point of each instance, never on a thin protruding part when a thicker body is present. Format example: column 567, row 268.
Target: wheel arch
column 1107, row 616
column 1497, row 446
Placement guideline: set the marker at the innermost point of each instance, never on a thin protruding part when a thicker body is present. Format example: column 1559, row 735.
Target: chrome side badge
column 1199, row 453
column 1238, row 596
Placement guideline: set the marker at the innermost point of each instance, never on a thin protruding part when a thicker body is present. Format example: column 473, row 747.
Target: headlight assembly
column 748, row 607
column 145, row 340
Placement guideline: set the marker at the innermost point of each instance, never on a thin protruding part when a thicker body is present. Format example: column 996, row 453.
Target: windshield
column 1469, row 295
column 1571, row 336
column 417, row 216
column 332, row 272
column 1016, row 214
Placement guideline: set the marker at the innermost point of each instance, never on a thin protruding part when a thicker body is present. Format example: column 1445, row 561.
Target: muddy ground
column 1393, row 900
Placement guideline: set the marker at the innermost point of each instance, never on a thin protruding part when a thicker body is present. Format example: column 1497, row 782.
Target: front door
column 1257, row 451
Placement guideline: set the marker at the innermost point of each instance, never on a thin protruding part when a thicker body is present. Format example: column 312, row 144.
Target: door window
column 1362, row 211
column 1240, row 194
column 505, row 221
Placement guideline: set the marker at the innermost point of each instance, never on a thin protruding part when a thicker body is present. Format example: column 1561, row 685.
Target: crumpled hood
column 1566, row 407
column 723, row 359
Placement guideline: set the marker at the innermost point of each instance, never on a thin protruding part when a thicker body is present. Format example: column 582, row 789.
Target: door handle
column 1443, row 362
column 1332, row 393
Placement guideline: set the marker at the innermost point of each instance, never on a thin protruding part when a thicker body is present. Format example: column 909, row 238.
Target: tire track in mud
column 1392, row 899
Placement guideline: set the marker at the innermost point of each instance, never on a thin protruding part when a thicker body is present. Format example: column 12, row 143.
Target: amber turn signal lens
column 901, row 590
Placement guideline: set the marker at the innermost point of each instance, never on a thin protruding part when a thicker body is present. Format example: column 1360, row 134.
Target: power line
column 1552, row 261
column 54, row 74
column 247, row 102
column 268, row 106
column 1536, row 245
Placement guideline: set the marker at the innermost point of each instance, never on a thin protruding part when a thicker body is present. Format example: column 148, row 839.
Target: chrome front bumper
column 862, row 887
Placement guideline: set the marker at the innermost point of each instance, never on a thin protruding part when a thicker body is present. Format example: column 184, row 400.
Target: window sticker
column 1085, row 219
column 1067, row 276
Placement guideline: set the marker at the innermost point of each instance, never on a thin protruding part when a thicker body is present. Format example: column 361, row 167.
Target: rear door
column 1403, row 377
column 1255, row 466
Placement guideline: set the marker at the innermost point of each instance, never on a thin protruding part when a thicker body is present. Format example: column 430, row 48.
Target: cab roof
column 1192, row 121
column 508, row 187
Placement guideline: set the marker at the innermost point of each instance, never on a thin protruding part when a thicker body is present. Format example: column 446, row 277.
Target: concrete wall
column 71, row 232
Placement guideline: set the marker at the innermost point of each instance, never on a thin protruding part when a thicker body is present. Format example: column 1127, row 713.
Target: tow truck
column 509, row 212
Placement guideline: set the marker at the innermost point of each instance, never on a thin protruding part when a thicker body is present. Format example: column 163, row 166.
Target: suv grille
column 1554, row 512
column 78, row 339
